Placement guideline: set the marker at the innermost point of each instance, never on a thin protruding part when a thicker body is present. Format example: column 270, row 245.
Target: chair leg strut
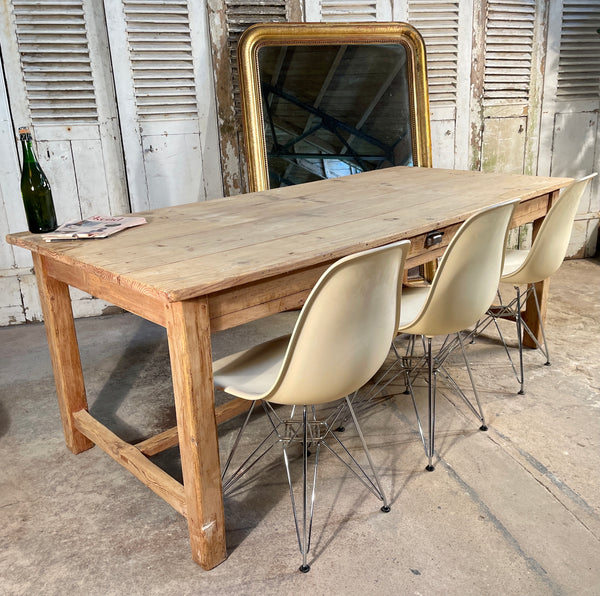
column 385, row 507
column 308, row 433
column 432, row 387
column 305, row 568
column 483, row 426
column 520, row 338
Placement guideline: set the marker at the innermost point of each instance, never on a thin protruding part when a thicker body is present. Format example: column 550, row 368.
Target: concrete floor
column 515, row 510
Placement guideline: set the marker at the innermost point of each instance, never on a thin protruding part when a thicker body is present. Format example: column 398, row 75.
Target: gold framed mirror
column 321, row 100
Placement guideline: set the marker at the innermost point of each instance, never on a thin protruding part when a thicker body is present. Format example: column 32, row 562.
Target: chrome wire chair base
column 513, row 311
column 372, row 395
column 308, row 432
column 410, row 366
column 433, row 364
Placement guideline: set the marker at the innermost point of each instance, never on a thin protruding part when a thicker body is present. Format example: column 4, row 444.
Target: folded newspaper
column 97, row 226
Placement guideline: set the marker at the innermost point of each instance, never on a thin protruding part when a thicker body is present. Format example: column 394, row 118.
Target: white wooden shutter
column 509, row 95
column 166, row 101
column 446, row 29
column 570, row 127
column 228, row 20
column 438, row 24
column 508, row 101
column 332, row 11
column 579, row 53
column 160, row 50
column 59, row 83
column 508, row 51
column 53, row 47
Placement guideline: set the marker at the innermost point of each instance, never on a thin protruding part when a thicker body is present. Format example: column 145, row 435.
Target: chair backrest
column 467, row 277
column 550, row 245
column 344, row 331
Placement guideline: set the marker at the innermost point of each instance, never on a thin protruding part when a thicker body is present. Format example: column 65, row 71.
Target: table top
column 200, row 248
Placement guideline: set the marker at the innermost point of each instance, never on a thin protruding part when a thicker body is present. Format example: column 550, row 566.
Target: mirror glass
column 321, row 100
column 334, row 110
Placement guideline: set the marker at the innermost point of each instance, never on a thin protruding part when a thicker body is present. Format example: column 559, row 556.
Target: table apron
column 136, row 302
column 242, row 304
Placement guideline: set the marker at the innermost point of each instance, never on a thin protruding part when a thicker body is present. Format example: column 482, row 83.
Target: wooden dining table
column 207, row 266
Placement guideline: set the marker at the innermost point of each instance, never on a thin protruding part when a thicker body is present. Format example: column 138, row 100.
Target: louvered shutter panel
column 509, row 89
column 59, row 83
column 508, row 50
column 438, row 24
column 161, row 59
column 511, row 92
column 53, row 47
column 165, row 97
column 570, row 126
column 349, row 11
column 579, row 54
column 446, row 27
column 57, row 70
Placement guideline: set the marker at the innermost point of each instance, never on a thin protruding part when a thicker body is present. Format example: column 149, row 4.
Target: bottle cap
column 24, row 134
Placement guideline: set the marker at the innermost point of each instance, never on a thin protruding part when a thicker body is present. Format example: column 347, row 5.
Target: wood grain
column 133, row 460
column 169, row 438
column 64, row 352
column 136, row 302
column 206, row 247
column 188, row 331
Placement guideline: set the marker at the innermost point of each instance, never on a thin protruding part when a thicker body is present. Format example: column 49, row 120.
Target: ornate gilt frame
column 279, row 34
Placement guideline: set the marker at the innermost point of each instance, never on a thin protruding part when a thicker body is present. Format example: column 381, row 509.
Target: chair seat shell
column 341, row 337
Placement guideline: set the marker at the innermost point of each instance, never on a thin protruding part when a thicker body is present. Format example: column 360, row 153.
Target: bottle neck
column 28, row 153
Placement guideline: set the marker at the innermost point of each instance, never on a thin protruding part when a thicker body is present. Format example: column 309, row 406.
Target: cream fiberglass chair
column 537, row 264
column 461, row 291
column 340, row 340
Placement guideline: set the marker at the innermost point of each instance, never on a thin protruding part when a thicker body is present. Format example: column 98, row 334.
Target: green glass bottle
column 35, row 189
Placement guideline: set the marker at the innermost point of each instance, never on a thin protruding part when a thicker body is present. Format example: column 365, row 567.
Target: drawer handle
column 433, row 238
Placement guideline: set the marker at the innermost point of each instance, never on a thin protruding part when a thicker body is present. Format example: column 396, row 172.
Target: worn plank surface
column 202, row 248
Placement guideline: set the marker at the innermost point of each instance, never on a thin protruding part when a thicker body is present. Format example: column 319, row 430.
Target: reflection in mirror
column 321, row 100
column 333, row 110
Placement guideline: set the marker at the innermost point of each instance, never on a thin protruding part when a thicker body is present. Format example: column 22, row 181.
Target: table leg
column 64, row 353
column 530, row 316
column 188, row 329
